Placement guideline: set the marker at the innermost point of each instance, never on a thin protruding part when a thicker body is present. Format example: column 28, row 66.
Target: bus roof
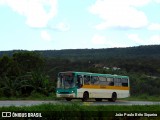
column 95, row 74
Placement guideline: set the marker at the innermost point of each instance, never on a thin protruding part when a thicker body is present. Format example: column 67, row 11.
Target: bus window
column 110, row 81
column 65, row 81
column 68, row 81
column 117, row 82
column 86, row 80
column 102, row 81
column 79, row 82
column 94, row 80
column 125, row 82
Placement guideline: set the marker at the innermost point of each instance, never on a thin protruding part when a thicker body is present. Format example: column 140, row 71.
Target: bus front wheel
column 114, row 97
column 85, row 96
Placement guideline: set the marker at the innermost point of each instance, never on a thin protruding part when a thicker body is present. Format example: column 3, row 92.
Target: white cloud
column 158, row 1
column 103, row 41
column 99, row 40
column 102, row 26
column 155, row 39
column 62, row 26
column 2, row 2
column 45, row 35
column 138, row 2
column 120, row 13
column 113, row 44
column 135, row 38
column 154, row 26
column 34, row 10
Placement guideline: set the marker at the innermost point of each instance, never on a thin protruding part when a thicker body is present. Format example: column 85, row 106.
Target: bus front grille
column 64, row 92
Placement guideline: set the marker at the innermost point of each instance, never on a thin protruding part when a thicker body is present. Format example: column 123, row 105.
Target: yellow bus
column 85, row 85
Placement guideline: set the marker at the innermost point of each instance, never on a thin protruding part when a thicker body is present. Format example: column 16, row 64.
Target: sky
column 78, row 24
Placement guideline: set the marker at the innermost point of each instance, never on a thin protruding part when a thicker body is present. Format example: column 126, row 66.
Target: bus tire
column 98, row 99
column 114, row 97
column 85, row 96
column 68, row 99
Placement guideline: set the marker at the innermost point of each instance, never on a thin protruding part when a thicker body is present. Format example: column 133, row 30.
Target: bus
column 86, row 85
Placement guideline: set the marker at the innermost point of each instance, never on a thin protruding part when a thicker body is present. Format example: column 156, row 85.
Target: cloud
column 45, row 35
column 135, row 38
column 155, row 39
column 157, row 1
column 62, row 26
column 98, row 39
column 152, row 40
column 154, row 26
column 34, row 10
column 119, row 13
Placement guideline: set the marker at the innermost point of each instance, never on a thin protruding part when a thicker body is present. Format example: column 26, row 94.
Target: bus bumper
column 72, row 95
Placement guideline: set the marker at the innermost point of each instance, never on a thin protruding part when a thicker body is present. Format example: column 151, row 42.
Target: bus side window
column 120, row 81
column 125, row 82
column 102, row 80
column 117, row 82
column 110, row 81
column 94, row 80
column 86, row 80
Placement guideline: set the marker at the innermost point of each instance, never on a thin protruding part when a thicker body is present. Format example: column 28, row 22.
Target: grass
column 52, row 96
column 78, row 111
column 143, row 97
column 78, row 107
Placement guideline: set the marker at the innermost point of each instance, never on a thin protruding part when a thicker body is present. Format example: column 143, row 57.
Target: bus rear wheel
column 68, row 99
column 98, row 99
column 114, row 97
column 85, row 96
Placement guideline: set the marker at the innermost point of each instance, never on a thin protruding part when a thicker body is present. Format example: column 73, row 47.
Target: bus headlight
column 72, row 91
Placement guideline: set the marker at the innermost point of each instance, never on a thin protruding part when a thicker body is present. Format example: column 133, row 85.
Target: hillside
column 27, row 72
column 141, row 51
column 129, row 52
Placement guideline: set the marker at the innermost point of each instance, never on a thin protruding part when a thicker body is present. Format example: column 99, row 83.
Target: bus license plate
column 64, row 95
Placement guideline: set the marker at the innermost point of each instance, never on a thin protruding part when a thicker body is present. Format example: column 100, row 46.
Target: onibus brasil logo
column 16, row 114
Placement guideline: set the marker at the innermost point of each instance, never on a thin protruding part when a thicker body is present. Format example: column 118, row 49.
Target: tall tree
column 28, row 61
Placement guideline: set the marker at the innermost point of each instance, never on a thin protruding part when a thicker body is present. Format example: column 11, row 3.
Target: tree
column 37, row 82
column 9, row 87
column 28, row 61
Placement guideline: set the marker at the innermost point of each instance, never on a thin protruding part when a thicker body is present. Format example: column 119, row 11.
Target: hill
column 129, row 52
column 25, row 72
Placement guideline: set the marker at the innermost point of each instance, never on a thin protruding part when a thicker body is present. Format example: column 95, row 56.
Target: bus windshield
column 65, row 81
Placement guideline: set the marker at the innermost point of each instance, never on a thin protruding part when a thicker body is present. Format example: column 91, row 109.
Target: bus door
column 79, row 82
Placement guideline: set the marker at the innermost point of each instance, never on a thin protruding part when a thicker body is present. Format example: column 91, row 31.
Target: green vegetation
column 77, row 111
column 29, row 74
column 143, row 97
column 22, row 75
column 78, row 107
